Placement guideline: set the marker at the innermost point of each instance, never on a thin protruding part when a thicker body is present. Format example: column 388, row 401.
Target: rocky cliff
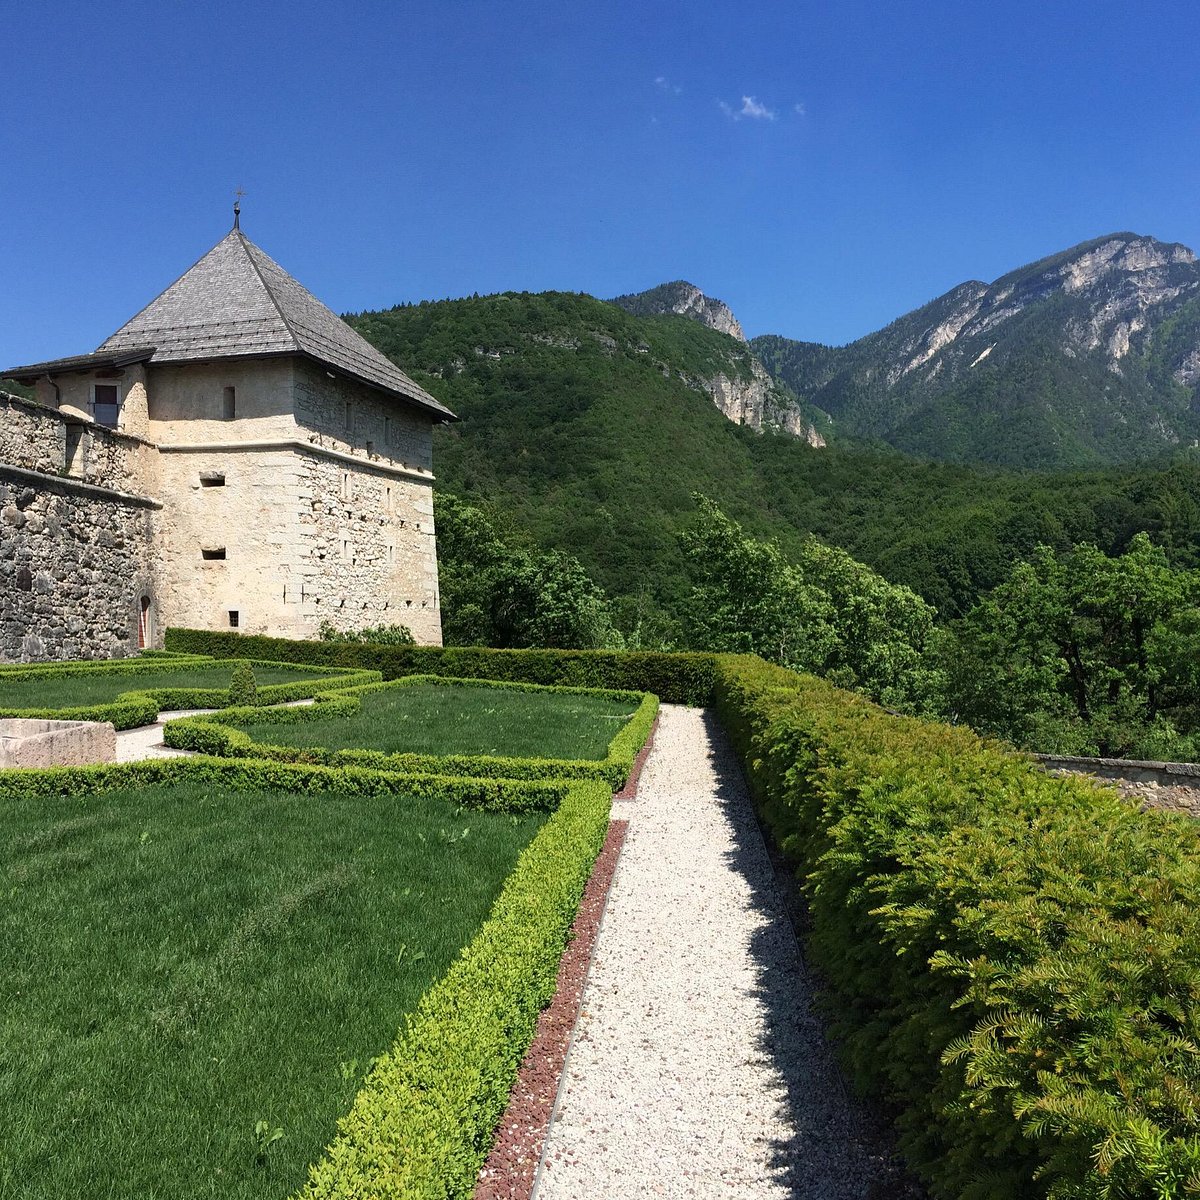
column 683, row 299
column 744, row 391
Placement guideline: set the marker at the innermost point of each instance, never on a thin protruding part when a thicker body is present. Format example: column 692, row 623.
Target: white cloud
column 800, row 110
column 665, row 85
column 751, row 108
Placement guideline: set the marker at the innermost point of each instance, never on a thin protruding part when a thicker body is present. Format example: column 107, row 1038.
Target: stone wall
column 44, row 439
column 371, row 557
column 314, row 504
column 74, row 566
column 187, row 401
column 377, row 429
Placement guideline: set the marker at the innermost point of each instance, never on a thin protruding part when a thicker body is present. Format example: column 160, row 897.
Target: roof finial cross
column 237, row 208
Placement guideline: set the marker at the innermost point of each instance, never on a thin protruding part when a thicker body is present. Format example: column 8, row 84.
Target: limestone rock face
column 745, row 392
column 685, row 300
column 758, row 403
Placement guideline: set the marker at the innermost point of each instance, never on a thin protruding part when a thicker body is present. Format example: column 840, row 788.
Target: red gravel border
column 512, row 1165
column 629, row 791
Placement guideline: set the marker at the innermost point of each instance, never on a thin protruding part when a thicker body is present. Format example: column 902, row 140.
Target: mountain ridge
column 1088, row 356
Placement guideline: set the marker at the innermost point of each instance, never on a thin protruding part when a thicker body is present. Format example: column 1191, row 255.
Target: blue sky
column 821, row 167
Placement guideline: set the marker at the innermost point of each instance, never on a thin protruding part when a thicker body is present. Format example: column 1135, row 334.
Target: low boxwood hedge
column 1013, row 959
column 424, row 1120
column 675, row 678
column 492, row 795
column 141, row 705
column 217, row 733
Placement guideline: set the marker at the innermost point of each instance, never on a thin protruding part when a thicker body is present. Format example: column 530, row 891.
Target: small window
column 370, row 449
column 349, row 417
column 387, row 431
column 234, row 618
column 387, row 501
column 229, row 404
column 106, row 403
column 212, row 479
column 213, row 553
column 347, row 486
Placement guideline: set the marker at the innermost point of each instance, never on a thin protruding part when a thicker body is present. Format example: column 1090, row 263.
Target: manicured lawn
column 178, row 964
column 439, row 719
column 87, row 687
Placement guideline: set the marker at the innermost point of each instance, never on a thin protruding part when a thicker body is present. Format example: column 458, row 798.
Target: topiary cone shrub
column 243, row 688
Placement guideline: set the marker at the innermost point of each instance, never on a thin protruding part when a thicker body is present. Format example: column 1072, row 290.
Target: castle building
column 235, row 456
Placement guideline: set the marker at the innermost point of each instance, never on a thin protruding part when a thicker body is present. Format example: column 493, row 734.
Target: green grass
column 178, row 964
column 440, row 719
column 86, row 687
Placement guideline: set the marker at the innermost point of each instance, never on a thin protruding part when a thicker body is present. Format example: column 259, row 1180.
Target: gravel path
column 146, row 741
column 698, row 1068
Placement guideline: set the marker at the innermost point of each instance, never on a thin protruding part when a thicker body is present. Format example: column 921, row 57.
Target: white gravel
column 146, row 741
column 698, row 1068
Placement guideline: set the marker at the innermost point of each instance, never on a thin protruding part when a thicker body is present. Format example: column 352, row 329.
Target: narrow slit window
column 235, row 618
column 387, row 431
column 349, row 417
column 229, row 404
column 213, row 553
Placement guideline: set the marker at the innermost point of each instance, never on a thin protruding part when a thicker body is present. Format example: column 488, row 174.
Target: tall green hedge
column 674, row 678
column 1013, row 959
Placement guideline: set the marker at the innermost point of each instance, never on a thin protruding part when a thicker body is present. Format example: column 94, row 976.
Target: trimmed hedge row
column 1013, row 959
column 491, row 795
column 423, row 1122
column 148, row 662
column 141, row 706
column 217, row 734
column 676, row 678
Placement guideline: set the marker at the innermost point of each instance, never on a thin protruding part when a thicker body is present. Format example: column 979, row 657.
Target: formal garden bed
column 131, row 692
column 437, row 725
column 205, row 966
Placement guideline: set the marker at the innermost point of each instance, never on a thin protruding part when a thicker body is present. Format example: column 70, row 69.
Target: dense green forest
column 581, row 433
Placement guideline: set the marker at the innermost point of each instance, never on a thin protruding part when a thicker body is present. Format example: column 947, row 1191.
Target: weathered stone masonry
column 75, row 563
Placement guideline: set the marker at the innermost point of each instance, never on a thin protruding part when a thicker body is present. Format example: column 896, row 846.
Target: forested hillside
column 582, row 430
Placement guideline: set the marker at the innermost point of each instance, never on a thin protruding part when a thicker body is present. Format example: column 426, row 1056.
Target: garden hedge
column 492, row 795
column 1012, row 959
column 217, row 734
column 675, row 678
column 141, row 706
column 424, row 1120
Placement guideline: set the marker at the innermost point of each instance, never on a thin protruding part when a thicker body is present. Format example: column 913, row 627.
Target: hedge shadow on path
column 842, row 1147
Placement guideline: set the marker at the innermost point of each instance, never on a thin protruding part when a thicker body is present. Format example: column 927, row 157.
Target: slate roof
column 237, row 302
column 81, row 362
